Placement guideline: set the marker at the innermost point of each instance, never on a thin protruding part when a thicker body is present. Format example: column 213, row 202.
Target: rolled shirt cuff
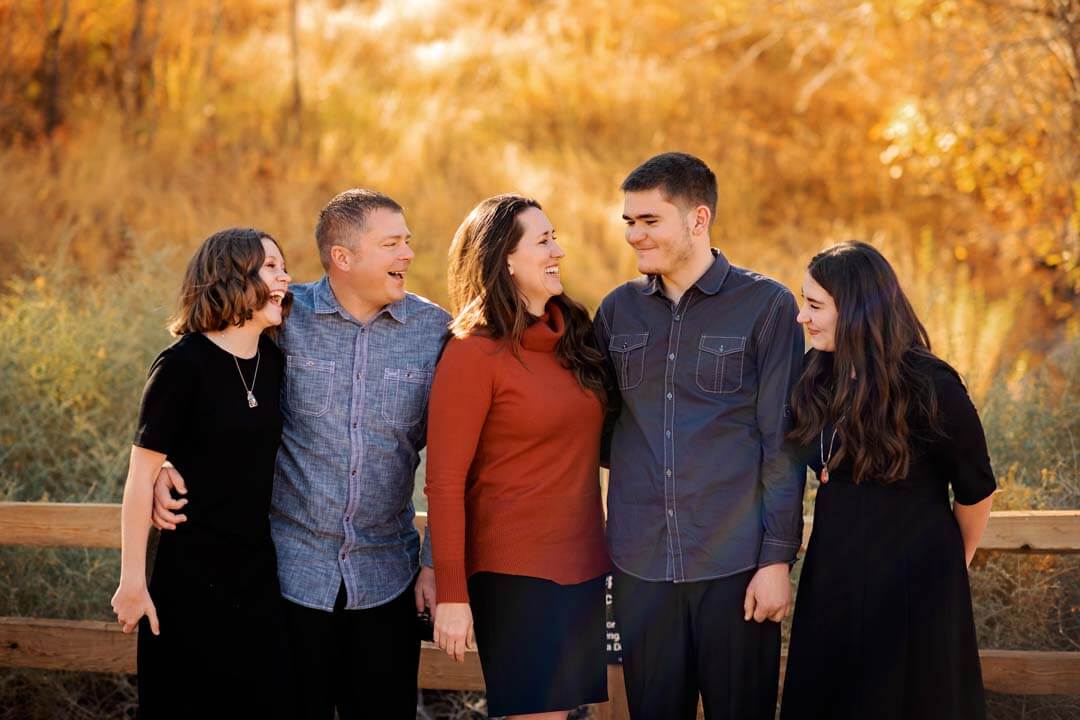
column 777, row 551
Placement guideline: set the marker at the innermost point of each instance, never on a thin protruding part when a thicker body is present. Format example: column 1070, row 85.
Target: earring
column 511, row 269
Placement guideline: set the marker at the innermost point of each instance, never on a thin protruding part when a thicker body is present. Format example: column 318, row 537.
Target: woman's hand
column 130, row 604
column 454, row 629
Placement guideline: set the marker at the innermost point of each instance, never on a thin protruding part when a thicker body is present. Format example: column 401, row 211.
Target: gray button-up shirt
column 702, row 483
column 355, row 408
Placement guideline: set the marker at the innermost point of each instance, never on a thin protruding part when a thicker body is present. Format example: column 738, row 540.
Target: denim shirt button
column 671, row 356
column 670, row 512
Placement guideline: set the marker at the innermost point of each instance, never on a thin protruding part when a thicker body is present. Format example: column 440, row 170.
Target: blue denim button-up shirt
column 355, row 407
column 702, row 482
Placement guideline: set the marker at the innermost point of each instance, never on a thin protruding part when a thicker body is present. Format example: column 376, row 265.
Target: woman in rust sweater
column 516, row 410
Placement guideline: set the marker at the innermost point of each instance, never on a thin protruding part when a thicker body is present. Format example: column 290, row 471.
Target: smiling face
column 277, row 279
column 374, row 268
column 659, row 231
column 818, row 313
column 534, row 263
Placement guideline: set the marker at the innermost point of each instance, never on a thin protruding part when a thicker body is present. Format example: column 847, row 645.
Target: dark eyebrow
column 643, row 216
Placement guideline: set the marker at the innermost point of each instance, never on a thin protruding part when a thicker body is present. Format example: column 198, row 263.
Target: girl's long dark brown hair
column 484, row 299
column 877, row 378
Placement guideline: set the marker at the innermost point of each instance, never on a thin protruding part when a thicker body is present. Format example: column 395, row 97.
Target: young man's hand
column 768, row 597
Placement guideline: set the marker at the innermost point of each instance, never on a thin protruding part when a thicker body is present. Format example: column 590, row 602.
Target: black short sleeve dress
column 883, row 623
column 214, row 582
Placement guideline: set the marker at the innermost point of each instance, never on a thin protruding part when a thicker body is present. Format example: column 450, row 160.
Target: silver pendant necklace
column 824, row 476
column 252, row 402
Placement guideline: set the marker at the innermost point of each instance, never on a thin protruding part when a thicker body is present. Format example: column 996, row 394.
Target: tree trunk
column 49, row 71
column 139, row 70
column 215, row 35
column 294, row 123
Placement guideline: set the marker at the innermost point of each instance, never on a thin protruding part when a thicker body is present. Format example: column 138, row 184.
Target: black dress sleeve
column 165, row 401
column 963, row 451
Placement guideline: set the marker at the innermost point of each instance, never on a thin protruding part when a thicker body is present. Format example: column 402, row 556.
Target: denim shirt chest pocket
column 720, row 363
column 405, row 395
column 307, row 385
column 628, row 356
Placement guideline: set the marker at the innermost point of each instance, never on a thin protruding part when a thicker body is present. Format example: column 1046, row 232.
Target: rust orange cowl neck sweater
column 513, row 463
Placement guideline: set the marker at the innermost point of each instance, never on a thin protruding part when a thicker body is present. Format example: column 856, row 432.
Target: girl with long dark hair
column 210, row 642
column 883, row 623
column 517, row 405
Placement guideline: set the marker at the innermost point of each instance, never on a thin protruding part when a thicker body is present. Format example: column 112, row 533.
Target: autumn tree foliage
column 953, row 123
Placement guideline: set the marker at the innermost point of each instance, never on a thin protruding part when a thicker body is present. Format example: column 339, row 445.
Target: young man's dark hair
column 344, row 217
column 682, row 178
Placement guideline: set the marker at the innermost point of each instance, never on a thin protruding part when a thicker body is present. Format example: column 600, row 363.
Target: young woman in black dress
column 883, row 624
column 209, row 643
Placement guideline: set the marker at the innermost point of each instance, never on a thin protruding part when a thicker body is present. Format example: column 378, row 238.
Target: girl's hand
column 130, row 604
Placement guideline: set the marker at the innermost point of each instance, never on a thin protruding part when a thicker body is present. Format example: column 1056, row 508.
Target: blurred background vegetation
column 947, row 132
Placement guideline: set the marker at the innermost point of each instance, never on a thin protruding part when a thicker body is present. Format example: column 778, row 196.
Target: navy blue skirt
column 541, row 644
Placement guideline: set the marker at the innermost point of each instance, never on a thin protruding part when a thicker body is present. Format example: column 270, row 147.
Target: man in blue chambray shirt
column 360, row 352
column 704, row 502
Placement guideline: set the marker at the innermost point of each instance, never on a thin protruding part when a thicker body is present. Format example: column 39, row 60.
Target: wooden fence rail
column 97, row 525
column 98, row 646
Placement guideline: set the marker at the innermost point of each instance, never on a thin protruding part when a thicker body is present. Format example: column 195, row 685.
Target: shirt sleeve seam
column 773, row 310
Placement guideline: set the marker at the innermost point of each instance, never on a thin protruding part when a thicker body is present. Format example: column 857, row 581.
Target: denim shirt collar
column 709, row 283
column 326, row 302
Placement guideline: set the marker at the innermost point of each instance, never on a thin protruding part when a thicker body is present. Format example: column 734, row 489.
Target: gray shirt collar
column 709, row 283
column 326, row 302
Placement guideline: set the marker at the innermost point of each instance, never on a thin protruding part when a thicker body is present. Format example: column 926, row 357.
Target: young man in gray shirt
column 360, row 353
column 704, row 503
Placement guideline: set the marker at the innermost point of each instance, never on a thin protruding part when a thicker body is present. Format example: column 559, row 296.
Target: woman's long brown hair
column 484, row 299
column 876, row 379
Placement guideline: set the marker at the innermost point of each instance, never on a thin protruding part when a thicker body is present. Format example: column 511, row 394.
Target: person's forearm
column 135, row 517
column 972, row 520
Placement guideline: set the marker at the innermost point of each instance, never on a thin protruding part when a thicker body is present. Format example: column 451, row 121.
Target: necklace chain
column 252, row 402
column 821, row 449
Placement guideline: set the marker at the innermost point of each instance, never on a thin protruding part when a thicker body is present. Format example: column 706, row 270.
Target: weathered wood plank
column 98, row 646
column 439, row 672
column 98, row 525
column 1056, row 531
column 1023, row 672
column 91, row 525
column 87, row 645
column 95, row 525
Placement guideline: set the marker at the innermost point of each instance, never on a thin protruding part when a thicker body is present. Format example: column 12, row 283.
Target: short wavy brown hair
column 222, row 286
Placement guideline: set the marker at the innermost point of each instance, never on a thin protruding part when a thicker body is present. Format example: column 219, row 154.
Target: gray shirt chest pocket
column 307, row 385
column 720, row 363
column 405, row 395
column 628, row 356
